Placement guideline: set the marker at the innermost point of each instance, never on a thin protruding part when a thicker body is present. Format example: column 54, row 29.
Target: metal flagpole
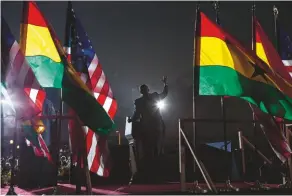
column 288, row 184
column 257, row 184
column 253, row 46
column 276, row 12
column 12, row 178
column 2, row 127
column 223, row 113
column 58, row 139
column 11, row 190
column 84, row 155
column 196, row 70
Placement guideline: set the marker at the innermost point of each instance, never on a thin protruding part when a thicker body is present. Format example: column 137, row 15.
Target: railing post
column 288, row 137
column 241, row 147
column 202, row 169
column 182, row 158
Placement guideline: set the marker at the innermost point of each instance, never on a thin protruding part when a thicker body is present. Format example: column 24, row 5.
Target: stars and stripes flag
column 84, row 59
column 285, row 49
column 22, row 87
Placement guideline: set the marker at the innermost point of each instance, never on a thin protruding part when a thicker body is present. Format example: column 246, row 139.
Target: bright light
column 11, row 141
column 17, row 146
column 160, row 105
column 4, row 101
column 40, row 129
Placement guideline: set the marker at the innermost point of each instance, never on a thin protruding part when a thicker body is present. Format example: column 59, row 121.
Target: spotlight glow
column 160, row 105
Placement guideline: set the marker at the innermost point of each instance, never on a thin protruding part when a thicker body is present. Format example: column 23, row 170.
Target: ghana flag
column 49, row 63
column 266, row 51
column 224, row 67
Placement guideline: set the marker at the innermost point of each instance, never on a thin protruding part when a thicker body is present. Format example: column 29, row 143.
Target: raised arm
column 165, row 89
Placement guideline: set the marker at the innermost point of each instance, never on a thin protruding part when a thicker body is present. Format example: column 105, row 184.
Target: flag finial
column 216, row 6
column 198, row 6
column 276, row 11
column 253, row 6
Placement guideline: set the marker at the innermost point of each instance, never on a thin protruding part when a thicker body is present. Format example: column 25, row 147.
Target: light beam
column 160, row 105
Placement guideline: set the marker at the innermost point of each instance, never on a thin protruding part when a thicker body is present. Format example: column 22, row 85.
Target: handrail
column 245, row 140
column 203, row 171
column 257, row 151
column 226, row 120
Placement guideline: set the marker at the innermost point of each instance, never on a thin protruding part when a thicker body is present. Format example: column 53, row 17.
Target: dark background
column 139, row 42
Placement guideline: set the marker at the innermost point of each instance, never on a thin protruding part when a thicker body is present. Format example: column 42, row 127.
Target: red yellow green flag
column 50, row 66
column 224, row 67
column 266, row 51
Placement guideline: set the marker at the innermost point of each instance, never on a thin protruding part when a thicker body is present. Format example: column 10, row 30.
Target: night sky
column 139, row 42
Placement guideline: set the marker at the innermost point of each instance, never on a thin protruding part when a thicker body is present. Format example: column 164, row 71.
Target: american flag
column 19, row 79
column 84, row 59
column 285, row 49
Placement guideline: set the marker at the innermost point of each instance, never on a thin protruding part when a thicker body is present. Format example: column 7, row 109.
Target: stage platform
column 171, row 188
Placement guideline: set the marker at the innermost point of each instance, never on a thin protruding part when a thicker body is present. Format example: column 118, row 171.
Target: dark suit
column 148, row 128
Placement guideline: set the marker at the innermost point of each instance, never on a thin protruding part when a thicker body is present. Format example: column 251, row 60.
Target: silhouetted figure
column 148, row 128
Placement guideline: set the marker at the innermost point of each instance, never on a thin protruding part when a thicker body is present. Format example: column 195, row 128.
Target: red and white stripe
column 288, row 64
column 43, row 151
column 101, row 87
column 21, row 76
column 97, row 146
column 97, row 153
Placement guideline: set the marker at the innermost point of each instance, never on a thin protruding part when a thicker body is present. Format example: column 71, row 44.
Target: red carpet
column 121, row 190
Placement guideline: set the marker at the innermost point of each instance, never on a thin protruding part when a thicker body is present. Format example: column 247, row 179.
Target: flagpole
column 82, row 154
column 223, row 113
column 196, row 87
column 11, row 190
column 2, row 128
column 257, row 184
column 276, row 12
column 276, row 27
column 86, row 169
column 58, row 139
column 253, row 47
column 222, row 101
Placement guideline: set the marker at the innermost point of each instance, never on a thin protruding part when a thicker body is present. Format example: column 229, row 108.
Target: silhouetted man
column 148, row 127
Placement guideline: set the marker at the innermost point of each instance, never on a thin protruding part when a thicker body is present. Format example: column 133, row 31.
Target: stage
column 149, row 189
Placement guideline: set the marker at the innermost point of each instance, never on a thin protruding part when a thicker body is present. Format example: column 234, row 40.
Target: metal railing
column 201, row 166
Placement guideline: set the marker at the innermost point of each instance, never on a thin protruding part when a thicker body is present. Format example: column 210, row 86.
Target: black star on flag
column 258, row 71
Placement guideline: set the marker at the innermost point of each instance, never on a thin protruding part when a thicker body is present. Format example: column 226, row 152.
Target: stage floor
column 137, row 189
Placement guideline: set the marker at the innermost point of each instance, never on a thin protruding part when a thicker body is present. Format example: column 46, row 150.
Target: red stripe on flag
column 289, row 68
column 113, row 109
column 102, row 98
column 95, row 77
column 96, row 161
column 89, row 140
column 41, row 96
column 35, row 17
